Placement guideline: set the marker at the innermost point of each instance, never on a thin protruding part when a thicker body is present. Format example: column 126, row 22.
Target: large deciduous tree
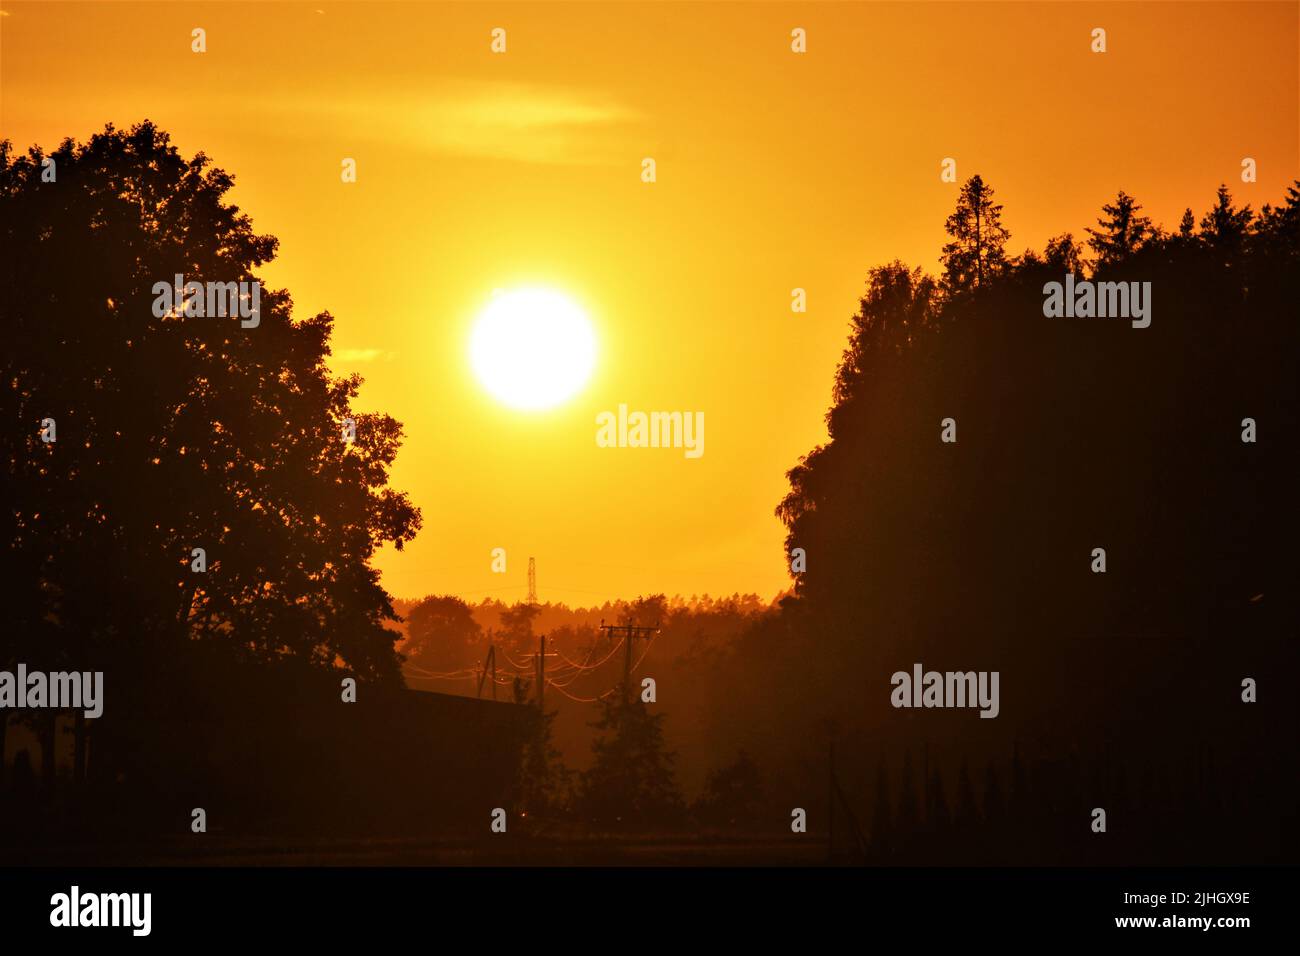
column 176, row 432
column 443, row 634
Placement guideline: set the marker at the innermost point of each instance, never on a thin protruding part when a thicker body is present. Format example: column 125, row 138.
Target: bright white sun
column 532, row 348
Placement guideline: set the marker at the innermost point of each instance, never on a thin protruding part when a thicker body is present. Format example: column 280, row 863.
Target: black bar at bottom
column 597, row 906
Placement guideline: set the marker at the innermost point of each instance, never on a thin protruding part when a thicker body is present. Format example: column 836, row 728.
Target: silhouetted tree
column 179, row 432
column 517, row 626
column 631, row 780
column 174, row 432
column 1224, row 227
column 650, row 609
column 1279, row 226
column 732, row 794
column 443, row 634
column 976, row 252
column 544, row 784
column 1123, row 231
column 1064, row 255
column 898, row 305
column 922, row 550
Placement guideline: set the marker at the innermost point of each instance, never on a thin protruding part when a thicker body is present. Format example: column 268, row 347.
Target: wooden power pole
column 630, row 632
column 541, row 673
column 489, row 662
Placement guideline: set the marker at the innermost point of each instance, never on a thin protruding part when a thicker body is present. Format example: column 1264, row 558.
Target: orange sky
column 479, row 171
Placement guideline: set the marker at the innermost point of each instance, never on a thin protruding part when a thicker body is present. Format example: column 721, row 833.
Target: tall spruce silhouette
column 631, row 782
column 1123, row 230
column 976, row 254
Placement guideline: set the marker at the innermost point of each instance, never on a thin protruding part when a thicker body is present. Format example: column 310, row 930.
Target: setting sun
column 532, row 348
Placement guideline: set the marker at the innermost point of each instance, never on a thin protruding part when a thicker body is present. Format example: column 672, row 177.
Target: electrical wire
column 648, row 644
column 591, row 652
column 433, row 675
column 514, row 663
column 578, row 670
column 585, row 665
column 584, row 700
column 614, row 651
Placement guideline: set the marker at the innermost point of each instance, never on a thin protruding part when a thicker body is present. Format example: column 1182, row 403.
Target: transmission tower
column 532, row 580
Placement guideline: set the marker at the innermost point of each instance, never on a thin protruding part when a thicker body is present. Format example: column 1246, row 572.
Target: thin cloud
column 511, row 121
column 362, row 355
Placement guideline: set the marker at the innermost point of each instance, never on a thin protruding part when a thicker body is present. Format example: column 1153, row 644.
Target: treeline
column 1171, row 448
column 446, row 646
column 443, row 632
column 1042, row 810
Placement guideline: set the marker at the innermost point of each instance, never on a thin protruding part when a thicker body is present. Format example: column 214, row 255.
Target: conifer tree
column 1225, row 227
column 631, row 781
column 544, row 783
column 977, row 250
column 1123, row 231
column 1064, row 254
column 732, row 794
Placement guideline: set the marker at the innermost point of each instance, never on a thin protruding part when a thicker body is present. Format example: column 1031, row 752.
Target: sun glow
column 532, row 348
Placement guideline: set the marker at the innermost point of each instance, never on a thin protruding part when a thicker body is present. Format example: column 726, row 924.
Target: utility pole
column 541, row 673
column 489, row 661
column 630, row 632
column 532, row 582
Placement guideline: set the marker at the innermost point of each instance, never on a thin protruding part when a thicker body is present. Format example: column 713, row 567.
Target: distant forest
column 1120, row 689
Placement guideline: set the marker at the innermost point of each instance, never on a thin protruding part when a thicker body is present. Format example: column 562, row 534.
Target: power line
column 592, row 667
column 583, row 666
column 515, row 664
column 649, row 644
column 630, row 633
column 584, row 700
